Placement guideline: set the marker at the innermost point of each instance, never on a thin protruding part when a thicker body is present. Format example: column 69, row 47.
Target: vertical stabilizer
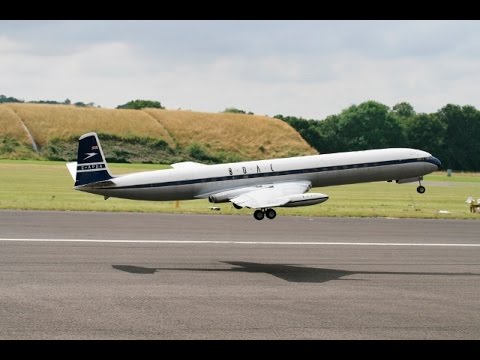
column 91, row 164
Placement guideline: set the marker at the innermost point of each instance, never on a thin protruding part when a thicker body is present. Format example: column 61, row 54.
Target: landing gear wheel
column 236, row 206
column 270, row 213
column 258, row 214
column 421, row 189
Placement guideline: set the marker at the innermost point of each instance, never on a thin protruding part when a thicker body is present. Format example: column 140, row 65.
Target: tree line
column 133, row 104
column 11, row 99
column 452, row 133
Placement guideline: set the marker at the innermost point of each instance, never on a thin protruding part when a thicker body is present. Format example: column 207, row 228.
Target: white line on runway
column 245, row 242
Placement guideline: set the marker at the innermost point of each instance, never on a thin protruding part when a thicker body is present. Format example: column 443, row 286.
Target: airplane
column 260, row 185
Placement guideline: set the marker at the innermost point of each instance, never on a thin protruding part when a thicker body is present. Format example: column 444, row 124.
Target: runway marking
column 225, row 242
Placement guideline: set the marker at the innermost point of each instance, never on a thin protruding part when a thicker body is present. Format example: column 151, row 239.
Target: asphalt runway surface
column 81, row 275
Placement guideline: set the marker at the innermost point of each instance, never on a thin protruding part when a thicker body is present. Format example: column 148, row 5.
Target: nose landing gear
column 420, row 188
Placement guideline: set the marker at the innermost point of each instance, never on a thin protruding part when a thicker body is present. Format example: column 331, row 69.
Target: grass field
column 44, row 185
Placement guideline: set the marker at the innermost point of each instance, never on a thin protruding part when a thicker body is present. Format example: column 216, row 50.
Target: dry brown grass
column 10, row 125
column 63, row 121
column 250, row 136
column 246, row 136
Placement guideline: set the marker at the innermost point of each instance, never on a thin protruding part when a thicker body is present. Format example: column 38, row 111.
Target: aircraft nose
column 433, row 160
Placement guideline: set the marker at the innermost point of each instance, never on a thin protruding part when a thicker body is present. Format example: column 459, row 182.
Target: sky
column 309, row 69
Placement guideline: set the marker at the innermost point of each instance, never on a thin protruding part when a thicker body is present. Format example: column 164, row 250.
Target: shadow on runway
column 289, row 273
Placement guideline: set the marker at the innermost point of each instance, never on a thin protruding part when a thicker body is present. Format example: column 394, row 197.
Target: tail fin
column 91, row 164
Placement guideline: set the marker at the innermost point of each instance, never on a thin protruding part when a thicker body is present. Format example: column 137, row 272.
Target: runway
column 88, row 275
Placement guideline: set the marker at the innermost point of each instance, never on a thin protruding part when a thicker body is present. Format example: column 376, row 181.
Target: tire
column 421, row 189
column 258, row 214
column 270, row 213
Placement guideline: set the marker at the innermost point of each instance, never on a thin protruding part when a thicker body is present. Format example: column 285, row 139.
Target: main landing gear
column 260, row 214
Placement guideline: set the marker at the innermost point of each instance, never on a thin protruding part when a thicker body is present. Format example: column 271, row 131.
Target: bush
column 197, row 152
column 234, row 111
column 141, row 104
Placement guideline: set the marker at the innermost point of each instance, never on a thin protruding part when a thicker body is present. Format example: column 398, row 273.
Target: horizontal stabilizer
column 97, row 185
column 72, row 169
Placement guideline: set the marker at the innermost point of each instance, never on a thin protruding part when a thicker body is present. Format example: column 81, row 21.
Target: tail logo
column 92, row 154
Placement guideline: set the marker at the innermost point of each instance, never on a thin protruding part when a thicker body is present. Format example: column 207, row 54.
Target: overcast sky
column 310, row 69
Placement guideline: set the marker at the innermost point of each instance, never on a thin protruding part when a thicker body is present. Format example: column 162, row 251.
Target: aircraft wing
column 273, row 195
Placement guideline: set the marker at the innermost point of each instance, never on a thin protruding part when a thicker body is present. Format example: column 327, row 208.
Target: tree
column 308, row 129
column 462, row 130
column 452, row 133
column 141, row 104
column 426, row 132
column 369, row 125
column 50, row 102
column 234, row 111
column 404, row 110
column 5, row 99
column 330, row 138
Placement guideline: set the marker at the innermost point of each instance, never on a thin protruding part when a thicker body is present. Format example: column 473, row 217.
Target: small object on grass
column 216, row 208
column 444, row 212
column 474, row 204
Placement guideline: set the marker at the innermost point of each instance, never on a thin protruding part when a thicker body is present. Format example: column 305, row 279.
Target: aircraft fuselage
column 192, row 182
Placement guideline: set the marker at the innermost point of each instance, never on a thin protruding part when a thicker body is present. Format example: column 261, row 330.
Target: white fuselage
column 321, row 170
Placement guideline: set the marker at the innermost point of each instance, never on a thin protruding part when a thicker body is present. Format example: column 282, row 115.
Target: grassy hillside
column 14, row 141
column 248, row 136
column 148, row 135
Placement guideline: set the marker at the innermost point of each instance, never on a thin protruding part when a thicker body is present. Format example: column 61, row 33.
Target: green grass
column 47, row 185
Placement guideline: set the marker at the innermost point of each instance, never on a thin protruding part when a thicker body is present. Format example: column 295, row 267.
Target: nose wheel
column 420, row 188
column 260, row 214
